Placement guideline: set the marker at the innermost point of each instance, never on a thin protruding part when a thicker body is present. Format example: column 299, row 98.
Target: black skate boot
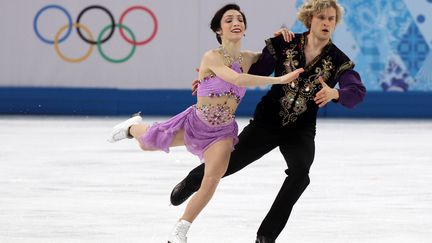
column 180, row 193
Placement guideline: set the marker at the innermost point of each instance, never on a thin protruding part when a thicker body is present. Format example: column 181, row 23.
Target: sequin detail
column 229, row 60
column 230, row 94
column 213, row 86
column 215, row 115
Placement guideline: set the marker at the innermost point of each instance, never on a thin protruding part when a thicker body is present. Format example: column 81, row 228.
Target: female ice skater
column 208, row 128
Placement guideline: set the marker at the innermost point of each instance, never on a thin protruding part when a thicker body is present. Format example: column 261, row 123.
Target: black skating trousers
column 297, row 146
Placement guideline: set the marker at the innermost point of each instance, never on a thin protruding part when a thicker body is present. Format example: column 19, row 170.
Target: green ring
column 99, row 42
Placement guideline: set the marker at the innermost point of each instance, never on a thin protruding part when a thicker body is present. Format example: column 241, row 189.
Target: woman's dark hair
column 215, row 23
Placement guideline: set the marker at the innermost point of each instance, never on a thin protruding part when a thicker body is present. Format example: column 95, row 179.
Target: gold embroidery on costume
column 271, row 49
column 287, row 101
column 300, row 91
column 290, row 63
column 343, row 67
column 327, row 66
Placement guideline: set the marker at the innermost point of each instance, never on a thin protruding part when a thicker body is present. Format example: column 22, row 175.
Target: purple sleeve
column 265, row 64
column 351, row 89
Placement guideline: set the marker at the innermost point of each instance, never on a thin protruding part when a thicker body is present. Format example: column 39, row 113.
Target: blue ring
column 38, row 15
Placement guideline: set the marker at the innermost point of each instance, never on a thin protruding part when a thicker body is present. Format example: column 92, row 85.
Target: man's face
column 323, row 24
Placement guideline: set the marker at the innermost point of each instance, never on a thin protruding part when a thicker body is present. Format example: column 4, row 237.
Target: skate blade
column 136, row 114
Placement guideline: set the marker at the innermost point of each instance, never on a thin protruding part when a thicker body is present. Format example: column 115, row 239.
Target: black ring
column 110, row 16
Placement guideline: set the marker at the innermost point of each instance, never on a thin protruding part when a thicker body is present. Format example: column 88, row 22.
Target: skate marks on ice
column 62, row 182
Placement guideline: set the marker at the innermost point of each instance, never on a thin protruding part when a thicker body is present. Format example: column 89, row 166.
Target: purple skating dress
column 202, row 125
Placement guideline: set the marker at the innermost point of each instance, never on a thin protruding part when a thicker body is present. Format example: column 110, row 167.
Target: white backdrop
column 168, row 61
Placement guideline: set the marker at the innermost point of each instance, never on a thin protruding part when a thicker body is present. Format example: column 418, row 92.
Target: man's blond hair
column 313, row 7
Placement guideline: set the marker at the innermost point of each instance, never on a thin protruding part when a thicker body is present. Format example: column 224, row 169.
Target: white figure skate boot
column 178, row 235
column 121, row 130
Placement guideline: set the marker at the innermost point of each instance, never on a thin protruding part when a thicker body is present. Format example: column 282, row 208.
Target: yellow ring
column 57, row 48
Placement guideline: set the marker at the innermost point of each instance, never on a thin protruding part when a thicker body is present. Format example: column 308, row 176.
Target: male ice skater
column 286, row 116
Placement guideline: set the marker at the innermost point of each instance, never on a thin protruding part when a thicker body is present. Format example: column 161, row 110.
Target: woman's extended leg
column 139, row 130
column 216, row 159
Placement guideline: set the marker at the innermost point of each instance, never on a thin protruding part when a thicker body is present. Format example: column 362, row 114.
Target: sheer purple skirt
column 198, row 133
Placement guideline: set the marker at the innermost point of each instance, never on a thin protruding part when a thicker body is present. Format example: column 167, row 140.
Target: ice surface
column 60, row 181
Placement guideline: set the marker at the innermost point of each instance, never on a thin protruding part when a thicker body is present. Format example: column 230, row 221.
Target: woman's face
column 232, row 25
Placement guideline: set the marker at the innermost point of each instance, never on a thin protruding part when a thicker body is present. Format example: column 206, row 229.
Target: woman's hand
column 289, row 77
column 195, row 84
column 287, row 35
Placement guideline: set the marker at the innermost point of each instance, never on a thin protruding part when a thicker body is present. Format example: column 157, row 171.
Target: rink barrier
column 122, row 102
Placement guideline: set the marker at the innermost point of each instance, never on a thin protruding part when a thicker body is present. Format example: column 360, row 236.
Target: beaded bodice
column 213, row 86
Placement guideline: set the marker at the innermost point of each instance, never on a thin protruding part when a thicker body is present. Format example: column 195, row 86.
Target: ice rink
column 60, row 181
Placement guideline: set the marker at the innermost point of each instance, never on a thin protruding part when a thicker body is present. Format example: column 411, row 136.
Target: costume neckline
column 229, row 60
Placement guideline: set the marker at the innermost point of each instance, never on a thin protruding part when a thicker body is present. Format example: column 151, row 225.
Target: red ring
column 155, row 26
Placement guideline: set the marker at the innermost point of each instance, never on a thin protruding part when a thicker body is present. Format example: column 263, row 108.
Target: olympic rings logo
column 131, row 39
